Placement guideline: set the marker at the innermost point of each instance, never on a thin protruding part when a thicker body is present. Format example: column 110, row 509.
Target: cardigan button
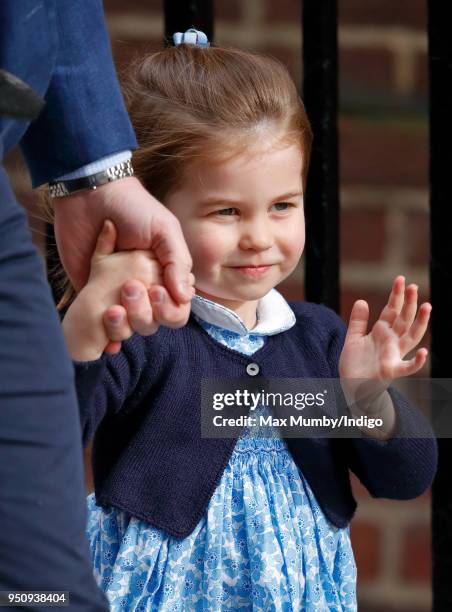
column 252, row 369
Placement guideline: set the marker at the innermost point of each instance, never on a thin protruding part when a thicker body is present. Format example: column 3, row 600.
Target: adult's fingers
column 168, row 243
column 77, row 224
column 142, row 223
column 106, row 241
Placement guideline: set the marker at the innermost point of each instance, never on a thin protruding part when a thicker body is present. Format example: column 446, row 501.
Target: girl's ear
column 106, row 241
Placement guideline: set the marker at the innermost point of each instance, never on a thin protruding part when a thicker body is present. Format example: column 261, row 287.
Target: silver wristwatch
column 59, row 189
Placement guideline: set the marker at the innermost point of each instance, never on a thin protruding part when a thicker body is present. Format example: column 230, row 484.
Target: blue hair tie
column 191, row 37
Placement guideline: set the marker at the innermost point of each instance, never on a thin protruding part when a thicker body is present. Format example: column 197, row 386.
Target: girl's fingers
column 135, row 300
column 406, row 317
column 112, row 348
column 116, row 325
column 106, row 241
column 417, row 330
column 359, row 319
column 165, row 310
column 407, row 368
column 395, row 301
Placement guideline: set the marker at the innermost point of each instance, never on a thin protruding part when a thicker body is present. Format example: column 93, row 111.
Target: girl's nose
column 256, row 235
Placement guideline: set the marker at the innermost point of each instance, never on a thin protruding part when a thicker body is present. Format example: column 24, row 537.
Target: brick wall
column 384, row 208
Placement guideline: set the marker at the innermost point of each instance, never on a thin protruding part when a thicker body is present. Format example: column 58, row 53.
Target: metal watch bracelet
column 59, row 189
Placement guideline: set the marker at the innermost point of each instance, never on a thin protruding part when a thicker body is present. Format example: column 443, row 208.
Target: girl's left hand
column 376, row 358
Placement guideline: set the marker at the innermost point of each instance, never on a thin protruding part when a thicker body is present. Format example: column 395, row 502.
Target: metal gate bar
column 440, row 72
column 181, row 15
column 320, row 92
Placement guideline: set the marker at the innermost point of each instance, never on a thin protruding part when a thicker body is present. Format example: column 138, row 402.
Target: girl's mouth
column 253, row 271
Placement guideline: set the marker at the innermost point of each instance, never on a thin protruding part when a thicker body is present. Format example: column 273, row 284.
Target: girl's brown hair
column 189, row 103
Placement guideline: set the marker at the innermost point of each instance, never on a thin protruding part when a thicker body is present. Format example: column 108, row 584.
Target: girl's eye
column 226, row 211
column 281, row 206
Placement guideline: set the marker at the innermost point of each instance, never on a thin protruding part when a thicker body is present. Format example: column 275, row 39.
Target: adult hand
column 116, row 294
column 142, row 223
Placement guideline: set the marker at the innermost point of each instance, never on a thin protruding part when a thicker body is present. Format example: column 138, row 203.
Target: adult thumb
column 106, row 240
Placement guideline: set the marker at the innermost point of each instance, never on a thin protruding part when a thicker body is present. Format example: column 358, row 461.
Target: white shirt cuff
column 101, row 164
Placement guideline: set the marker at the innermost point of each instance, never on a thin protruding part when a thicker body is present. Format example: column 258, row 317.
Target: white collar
column 274, row 315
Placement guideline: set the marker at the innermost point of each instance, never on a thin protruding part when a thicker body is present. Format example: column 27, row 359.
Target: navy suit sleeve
column 114, row 382
column 401, row 467
column 85, row 117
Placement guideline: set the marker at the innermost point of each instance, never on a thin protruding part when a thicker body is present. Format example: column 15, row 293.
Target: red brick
column 366, row 542
column 283, row 11
column 365, row 606
column 376, row 300
column 225, row 11
column 289, row 57
column 410, row 13
column 383, row 153
column 144, row 7
column 421, row 78
column 291, row 290
column 417, row 243
column 228, row 11
column 125, row 51
column 416, row 554
column 371, row 69
column 363, row 235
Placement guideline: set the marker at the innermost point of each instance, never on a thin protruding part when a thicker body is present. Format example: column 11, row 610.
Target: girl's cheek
column 205, row 254
column 210, row 246
column 297, row 237
column 206, row 250
column 298, row 246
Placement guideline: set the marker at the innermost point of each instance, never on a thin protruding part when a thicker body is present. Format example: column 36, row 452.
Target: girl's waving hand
column 369, row 362
column 379, row 354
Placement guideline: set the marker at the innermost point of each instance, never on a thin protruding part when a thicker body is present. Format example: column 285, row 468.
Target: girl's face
column 243, row 221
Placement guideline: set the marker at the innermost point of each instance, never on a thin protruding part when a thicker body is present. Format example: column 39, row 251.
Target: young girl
column 182, row 522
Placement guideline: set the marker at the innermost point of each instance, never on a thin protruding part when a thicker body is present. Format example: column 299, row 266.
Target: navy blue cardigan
column 149, row 459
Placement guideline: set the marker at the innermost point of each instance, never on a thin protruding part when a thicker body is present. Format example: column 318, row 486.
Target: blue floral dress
column 262, row 545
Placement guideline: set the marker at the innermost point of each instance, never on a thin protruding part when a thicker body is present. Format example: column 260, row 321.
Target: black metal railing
column 320, row 94
column 440, row 114
column 180, row 15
